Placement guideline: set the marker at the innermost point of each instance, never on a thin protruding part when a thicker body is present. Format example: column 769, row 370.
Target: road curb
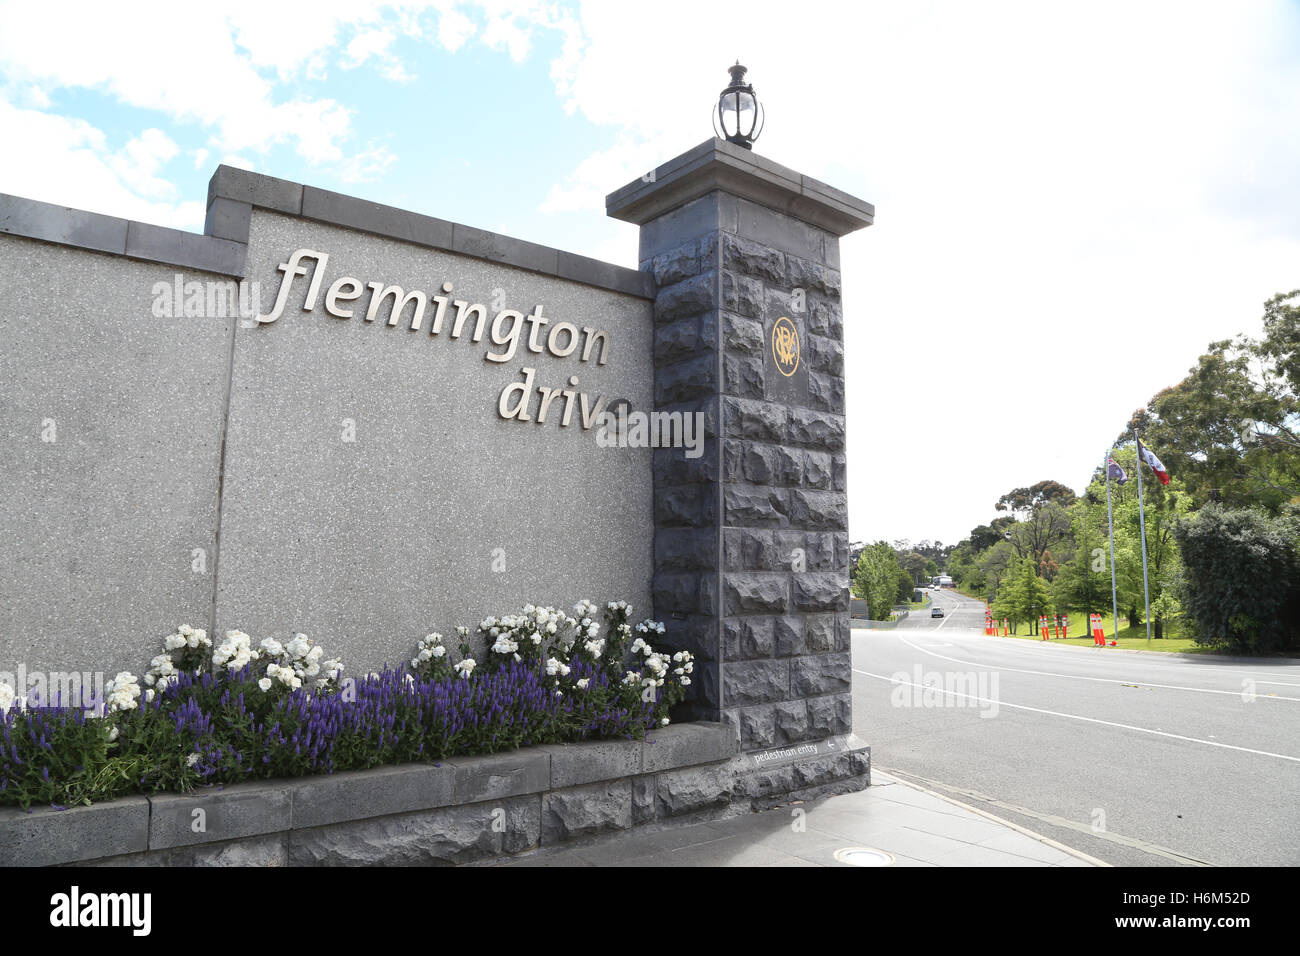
column 1048, row 841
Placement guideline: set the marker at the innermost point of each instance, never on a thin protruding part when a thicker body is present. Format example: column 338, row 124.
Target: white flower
column 272, row 647
column 264, row 683
column 123, row 691
column 191, row 760
column 664, row 722
column 7, row 697
column 113, row 734
column 299, row 647
column 235, row 652
column 582, row 683
column 465, row 666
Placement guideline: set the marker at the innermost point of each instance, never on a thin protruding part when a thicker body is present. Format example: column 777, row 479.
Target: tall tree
column 1043, row 528
column 1023, row 596
column 875, row 579
column 1083, row 585
column 1025, row 500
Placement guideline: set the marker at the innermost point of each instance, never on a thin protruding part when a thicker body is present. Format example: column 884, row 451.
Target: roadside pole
column 1142, row 525
column 1110, row 524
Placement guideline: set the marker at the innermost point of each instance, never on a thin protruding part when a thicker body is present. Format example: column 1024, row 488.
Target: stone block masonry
column 751, row 539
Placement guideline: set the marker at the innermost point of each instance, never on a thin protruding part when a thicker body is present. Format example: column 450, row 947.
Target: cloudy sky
column 1072, row 199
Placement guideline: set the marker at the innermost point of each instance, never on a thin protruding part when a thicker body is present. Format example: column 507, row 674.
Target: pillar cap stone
column 718, row 165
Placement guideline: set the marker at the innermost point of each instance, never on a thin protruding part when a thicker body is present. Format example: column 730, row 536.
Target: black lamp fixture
column 739, row 116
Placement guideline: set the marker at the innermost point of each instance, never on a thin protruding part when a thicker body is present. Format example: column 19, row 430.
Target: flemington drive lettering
column 507, row 331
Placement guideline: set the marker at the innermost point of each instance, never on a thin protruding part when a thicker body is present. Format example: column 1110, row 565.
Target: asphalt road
column 1135, row 758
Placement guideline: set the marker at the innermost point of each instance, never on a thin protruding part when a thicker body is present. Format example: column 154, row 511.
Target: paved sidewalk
column 917, row 827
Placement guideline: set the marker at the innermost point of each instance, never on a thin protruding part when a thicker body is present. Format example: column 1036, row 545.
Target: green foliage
column 1023, row 595
column 1241, row 578
column 876, row 579
column 1083, row 583
column 905, row 587
column 1026, row 500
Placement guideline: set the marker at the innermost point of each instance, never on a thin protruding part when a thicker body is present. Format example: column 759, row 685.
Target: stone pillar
column 751, row 538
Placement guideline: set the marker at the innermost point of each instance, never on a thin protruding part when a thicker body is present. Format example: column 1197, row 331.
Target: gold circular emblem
column 785, row 346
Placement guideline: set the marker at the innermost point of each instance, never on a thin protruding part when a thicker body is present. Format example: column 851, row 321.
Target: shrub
column 1240, row 584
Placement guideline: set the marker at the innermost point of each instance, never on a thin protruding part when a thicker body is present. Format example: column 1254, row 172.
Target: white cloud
column 74, row 167
column 503, row 32
column 582, row 190
column 367, row 165
column 123, row 56
column 377, row 45
column 239, row 162
column 139, row 162
column 455, row 30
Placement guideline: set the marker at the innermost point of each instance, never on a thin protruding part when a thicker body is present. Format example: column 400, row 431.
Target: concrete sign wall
column 169, row 460
column 372, row 490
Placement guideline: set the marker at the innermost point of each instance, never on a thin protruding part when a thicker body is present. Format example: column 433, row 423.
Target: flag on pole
column 1147, row 455
column 1115, row 472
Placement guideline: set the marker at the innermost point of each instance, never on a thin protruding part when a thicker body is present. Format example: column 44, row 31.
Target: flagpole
column 1110, row 522
column 1142, row 524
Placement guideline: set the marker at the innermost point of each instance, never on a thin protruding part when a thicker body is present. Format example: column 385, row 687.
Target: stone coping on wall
column 718, row 165
column 44, row 836
column 234, row 193
column 135, row 240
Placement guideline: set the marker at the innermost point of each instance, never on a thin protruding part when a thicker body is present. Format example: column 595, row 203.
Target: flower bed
column 237, row 712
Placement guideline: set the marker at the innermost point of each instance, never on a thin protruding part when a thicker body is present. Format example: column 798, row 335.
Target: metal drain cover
column 863, row 856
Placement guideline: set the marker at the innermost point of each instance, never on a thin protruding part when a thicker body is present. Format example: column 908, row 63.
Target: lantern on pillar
column 738, row 117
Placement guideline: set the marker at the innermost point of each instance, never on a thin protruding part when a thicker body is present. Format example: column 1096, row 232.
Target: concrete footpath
column 911, row 825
